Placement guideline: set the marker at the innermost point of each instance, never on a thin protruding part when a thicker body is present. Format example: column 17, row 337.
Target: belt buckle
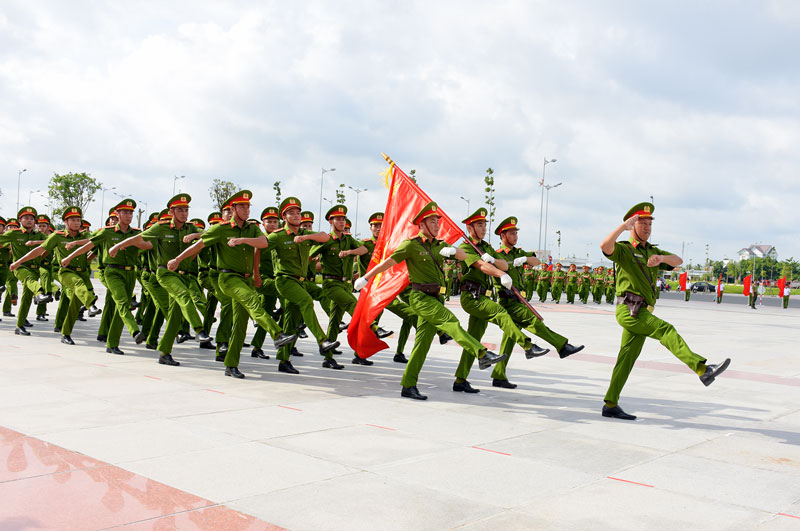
column 524, row 295
column 442, row 290
column 488, row 293
column 650, row 308
column 302, row 279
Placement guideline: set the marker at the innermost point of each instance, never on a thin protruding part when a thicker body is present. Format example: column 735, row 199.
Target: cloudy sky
column 695, row 104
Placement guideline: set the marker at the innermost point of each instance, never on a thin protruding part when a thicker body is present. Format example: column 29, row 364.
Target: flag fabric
column 781, row 286
column 719, row 285
column 405, row 201
column 682, row 280
column 746, row 288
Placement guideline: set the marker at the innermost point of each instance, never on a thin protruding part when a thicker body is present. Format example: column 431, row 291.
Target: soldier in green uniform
column 688, row 289
column 152, row 317
column 598, row 280
column 610, row 285
column 11, row 281
column 236, row 242
column 638, row 263
column 46, row 267
column 572, row 283
column 584, row 283
column 70, row 276
column 28, row 273
column 423, row 257
column 270, row 219
column 787, row 289
column 557, row 282
column 173, row 295
column 5, row 260
column 753, row 296
column 291, row 247
column 519, row 312
column 120, row 272
column 206, row 269
column 543, row 282
column 532, row 277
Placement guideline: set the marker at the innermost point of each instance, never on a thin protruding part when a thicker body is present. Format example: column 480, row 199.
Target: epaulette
column 60, row 232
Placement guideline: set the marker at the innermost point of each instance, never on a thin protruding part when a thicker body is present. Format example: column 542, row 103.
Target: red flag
column 746, row 289
column 405, row 200
column 719, row 285
column 682, row 280
column 781, row 286
column 550, row 267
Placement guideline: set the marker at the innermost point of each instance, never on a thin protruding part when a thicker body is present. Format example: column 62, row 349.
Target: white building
column 760, row 250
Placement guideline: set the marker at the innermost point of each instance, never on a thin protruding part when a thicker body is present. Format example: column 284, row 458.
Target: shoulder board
column 60, row 232
column 253, row 222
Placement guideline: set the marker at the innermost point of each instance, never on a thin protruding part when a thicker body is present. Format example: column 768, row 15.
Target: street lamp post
column 467, row 200
column 103, row 204
column 547, row 210
column 30, row 194
column 358, row 193
column 541, row 203
column 19, row 178
column 321, row 180
column 175, row 180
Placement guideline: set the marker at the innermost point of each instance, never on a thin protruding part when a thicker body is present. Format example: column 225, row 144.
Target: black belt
column 334, row 277
column 76, row 269
column 232, row 272
column 30, row 266
column 122, row 267
column 299, row 279
column 428, row 289
column 203, row 269
column 179, row 271
column 506, row 294
column 472, row 287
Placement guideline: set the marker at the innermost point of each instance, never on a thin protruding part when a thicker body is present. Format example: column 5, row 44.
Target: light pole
column 103, row 204
column 358, row 193
column 321, row 180
column 175, row 180
column 467, row 200
column 541, row 203
column 30, row 193
column 19, row 178
column 547, row 210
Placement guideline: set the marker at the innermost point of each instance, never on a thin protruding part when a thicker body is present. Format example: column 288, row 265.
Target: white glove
column 360, row 283
column 486, row 257
column 520, row 261
column 506, row 281
column 447, row 252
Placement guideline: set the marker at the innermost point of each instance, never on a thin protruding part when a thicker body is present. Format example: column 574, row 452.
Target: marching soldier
column 610, row 285
column 532, row 277
column 120, row 272
column 519, row 312
column 268, row 292
column 236, row 242
column 423, row 256
column 639, row 263
column 5, row 260
column 27, row 273
column 543, row 282
column 787, row 289
column 10, row 283
column 557, row 283
column 70, row 276
column 585, row 283
column 598, row 278
column 572, row 283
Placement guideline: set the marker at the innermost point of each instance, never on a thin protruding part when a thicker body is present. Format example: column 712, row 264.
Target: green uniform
column 598, row 280
column 584, row 285
column 337, row 283
column 173, row 294
column 268, row 293
column 786, row 292
column 72, row 282
column 120, row 278
column 476, row 288
column 688, row 290
column 425, row 267
column 235, row 265
column 532, row 275
column 631, row 279
column 610, row 286
column 27, row 273
column 543, row 284
column 557, row 284
column 572, row 286
column 290, row 261
column 519, row 312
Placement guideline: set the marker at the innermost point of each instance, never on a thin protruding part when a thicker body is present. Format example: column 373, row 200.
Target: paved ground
column 342, row 450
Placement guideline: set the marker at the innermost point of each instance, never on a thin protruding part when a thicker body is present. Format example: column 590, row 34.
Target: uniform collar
column 424, row 238
column 636, row 243
column 334, row 236
column 118, row 229
column 505, row 249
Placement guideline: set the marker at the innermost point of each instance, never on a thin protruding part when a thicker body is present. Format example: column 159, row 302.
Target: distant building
column 761, row 250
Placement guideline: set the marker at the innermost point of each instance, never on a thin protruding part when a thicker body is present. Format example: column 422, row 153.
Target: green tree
column 70, row 189
column 220, row 190
column 413, row 175
column 489, row 181
column 340, row 198
column 277, row 187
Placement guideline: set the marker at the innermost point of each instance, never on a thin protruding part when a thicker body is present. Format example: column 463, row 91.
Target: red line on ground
column 789, row 515
column 381, row 427
column 287, row 407
column 153, row 377
column 213, row 391
column 627, row 481
column 54, row 355
column 493, row 451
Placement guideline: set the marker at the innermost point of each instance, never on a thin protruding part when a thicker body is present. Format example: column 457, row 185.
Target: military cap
column 180, row 200
column 600, row 267
column 2, row 220
column 558, row 263
column 26, row 211
column 431, row 209
column 112, row 211
column 242, row 197
column 643, row 210
column 153, row 216
column 376, row 218
column 478, row 215
column 12, row 222
column 507, row 224
column 165, row 215
column 197, row 222
column 225, row 206
column 335, row 210
column 270, row 212
column 125, row 204
column 71, row 212
column 214, row 218
column 347, row 223
column 85, row 224
column 306, row 216
column 587, row 267
column 289, row 202
column 43, row 218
